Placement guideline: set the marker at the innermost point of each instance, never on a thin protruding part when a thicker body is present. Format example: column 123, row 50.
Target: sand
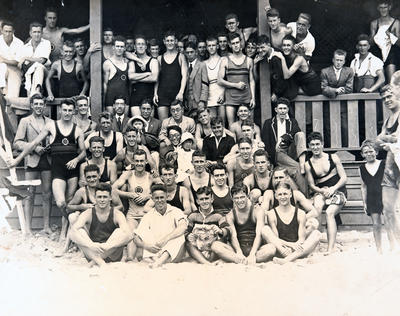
column 353, row 281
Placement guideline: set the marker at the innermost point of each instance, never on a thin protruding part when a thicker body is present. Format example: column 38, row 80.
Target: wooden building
column 336, row 24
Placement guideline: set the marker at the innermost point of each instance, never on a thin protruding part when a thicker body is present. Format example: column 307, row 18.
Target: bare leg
column 388, row 196
column 196, row 254
column 72, row 218
column 28, row 208
column 225, row 252
column 230, row 114
column 265, row 253
column 319, row 204
column 131, row 247
column 377, row 229
column 46, row 200
column 308, row 246
column 163, row 112
column 213, row 111
column 59, row 187
column 222, row 114
column 160, row 260
column 331, row 212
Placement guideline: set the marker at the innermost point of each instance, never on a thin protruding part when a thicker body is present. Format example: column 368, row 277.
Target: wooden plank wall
column 306, row 107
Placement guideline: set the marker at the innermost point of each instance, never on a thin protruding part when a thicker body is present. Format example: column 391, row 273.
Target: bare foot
column 60, row 253
column 279, row 260
column 129, row 259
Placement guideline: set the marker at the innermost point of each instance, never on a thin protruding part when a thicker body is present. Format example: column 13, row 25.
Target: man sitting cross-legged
column 205, row 226
column 286, row 230
column 245, row 223
column 138, row 192
column 85, row 198
column 160, row 234
column 280, row 174
column 101, row 231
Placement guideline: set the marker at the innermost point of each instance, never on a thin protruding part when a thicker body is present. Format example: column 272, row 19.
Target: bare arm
column 77, row 202
column 106, row 76
column 288, row 72
column 259, row 226
column 230, row 168
column 221, row 75
column 53, row 71
column 232, row 229
column 184, row 70
column 340, row 170
column 252, row 84
column 85, row 80
column 76, row 31
column 185, row 199
column 305, row 203
column 133, row 75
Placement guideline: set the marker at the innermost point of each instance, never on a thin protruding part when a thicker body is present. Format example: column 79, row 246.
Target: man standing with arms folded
column 143, row 80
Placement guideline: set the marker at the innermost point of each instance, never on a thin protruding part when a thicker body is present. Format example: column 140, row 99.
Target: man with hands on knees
column 101, row 232
column 246, row 223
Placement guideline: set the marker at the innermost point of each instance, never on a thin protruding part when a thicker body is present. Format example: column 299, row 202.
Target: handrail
column 342, row 97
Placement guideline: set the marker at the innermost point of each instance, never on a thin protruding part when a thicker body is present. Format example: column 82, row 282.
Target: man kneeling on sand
column 101, row 232
column 160, row 234
column 287, row 228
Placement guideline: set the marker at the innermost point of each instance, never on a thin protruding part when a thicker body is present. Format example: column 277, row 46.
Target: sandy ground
column 352, row 281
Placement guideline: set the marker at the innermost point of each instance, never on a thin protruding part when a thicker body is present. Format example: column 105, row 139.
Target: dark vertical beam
column 265, row 84
column 95, row 20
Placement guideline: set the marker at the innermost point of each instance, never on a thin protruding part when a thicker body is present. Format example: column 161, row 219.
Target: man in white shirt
column 160, row 233
column 10, row 74
column 368, row 69
column 305, row 42
column 34, row 58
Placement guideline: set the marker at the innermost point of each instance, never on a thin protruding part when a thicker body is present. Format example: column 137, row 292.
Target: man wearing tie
column 197, row 85
column 337, row 80
column 120, row 119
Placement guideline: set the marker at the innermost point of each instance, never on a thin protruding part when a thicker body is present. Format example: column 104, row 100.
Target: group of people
column 184, row 184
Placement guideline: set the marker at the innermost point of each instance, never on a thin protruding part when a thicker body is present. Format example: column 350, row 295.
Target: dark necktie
column 119, row 121
column 190, row 68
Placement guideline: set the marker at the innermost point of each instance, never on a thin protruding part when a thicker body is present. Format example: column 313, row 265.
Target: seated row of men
column 243, row 233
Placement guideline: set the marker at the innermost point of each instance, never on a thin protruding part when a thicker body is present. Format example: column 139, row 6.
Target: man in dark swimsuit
column 236, row 75
column 113, row 141
column 245, row 223
column 173, row 76
column 206, row 225
column 177, row 194
column 115, row 75
column 109, row 173
column 287, row 228
column 222, row 200
column 67, row 150
column 142, row 80
column 259, row 181
column 70, row 75
column 85, row 199
column 327, row 179
column 240, row 168
column 101, row 232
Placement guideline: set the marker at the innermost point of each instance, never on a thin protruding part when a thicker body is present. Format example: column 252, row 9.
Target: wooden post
column 265, row 84
column 95, row 20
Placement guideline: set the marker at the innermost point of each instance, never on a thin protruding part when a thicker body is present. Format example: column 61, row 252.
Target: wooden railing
column 364, row 115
